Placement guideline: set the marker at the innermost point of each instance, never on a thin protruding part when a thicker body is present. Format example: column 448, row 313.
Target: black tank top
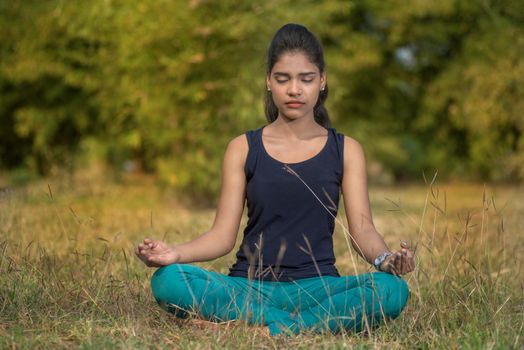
column 289, row 234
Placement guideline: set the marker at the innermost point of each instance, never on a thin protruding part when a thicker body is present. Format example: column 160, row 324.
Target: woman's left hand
column 401, row 262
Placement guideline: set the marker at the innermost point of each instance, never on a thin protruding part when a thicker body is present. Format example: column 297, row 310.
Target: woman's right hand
column 156, row 253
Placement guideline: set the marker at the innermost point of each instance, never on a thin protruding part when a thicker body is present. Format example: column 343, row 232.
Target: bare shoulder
column 353, row 151
column 236, row 152
column 239, row 142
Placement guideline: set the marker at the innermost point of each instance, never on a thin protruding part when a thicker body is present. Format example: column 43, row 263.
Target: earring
column 322, row 88
column 268, row 89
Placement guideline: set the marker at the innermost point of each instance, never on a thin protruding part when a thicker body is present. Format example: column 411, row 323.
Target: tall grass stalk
column 69, row 277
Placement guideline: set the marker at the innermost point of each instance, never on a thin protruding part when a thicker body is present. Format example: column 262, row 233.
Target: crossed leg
column 320, row 304
column 343, row 303
column 182, row 289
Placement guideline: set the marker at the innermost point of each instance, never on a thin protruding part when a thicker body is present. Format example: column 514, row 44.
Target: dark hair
column 295, row 37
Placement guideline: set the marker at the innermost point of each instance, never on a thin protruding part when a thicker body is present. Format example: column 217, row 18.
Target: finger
column 148, row 242
column 146, row 252
column 396, row 262
column 392, row 269
column 406, row 264
column 403, row 261
column 154, row 260
column 399, row 265
column 411, row 255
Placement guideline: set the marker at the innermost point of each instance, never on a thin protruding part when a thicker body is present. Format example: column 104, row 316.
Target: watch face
column 380, row 259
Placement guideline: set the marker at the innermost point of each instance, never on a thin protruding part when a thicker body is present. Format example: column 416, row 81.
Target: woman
column 291, row 172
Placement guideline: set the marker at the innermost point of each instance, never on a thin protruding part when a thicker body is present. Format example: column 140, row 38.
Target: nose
column 294, row 88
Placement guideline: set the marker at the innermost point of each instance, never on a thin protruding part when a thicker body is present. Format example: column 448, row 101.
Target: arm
column 221, row 238
column 364, row 237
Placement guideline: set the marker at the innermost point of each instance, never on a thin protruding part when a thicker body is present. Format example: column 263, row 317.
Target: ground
column 69, row 276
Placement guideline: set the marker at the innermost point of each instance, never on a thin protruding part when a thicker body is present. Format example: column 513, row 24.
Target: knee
column 168, row 292
column 164, row 283
column 393, row 292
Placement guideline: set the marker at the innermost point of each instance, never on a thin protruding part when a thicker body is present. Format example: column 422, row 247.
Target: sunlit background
column 160, row 87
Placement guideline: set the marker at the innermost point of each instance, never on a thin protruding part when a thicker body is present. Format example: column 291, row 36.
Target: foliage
column 164, row 85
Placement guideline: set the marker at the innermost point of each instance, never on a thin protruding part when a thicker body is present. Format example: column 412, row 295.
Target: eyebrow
column 288, row 75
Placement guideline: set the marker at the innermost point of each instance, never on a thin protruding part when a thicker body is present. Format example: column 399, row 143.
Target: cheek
column 279, row 94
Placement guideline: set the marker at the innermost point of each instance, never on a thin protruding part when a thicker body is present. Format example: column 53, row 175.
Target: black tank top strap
column 252, row 155
column 339, row 143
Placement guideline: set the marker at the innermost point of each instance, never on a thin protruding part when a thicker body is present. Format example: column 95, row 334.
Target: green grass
column 69, row 277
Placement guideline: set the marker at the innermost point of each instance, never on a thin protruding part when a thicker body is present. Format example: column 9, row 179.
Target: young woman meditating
column 291, row 172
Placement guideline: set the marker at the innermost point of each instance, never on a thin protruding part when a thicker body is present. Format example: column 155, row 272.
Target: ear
column 268, row 84
column 323, row 79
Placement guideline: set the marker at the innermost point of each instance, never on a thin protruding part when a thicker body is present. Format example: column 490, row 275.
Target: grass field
column 69, row 276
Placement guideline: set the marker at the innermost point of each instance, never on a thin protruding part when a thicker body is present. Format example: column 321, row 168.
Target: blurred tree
column 164, row 85
column 433, row 85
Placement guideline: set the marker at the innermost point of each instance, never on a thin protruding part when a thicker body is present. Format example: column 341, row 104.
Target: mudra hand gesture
column 156, row 253
column 400, row 262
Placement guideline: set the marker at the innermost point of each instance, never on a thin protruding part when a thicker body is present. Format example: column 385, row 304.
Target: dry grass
column 69, row 277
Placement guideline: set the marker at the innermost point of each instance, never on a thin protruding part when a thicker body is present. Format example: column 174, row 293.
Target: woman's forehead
column 294, row 61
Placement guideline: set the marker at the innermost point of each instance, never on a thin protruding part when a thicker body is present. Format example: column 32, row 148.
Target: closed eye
column 304, row 80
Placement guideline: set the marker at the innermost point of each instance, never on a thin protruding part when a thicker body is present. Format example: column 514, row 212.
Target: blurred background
column 159, row 87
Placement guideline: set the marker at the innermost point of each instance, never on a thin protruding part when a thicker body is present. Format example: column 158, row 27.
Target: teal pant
column 319, row 304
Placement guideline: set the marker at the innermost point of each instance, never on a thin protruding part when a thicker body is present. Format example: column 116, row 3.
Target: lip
column 294, row 104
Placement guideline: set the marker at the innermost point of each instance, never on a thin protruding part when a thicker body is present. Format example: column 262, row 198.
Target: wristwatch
column 380, row 259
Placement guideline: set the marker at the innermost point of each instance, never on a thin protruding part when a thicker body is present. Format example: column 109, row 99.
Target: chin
column 294, row 114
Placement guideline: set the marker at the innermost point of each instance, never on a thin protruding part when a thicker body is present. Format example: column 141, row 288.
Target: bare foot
column 156, row 253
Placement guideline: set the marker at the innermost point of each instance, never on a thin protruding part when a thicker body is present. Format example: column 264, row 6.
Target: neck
column 300, row 128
